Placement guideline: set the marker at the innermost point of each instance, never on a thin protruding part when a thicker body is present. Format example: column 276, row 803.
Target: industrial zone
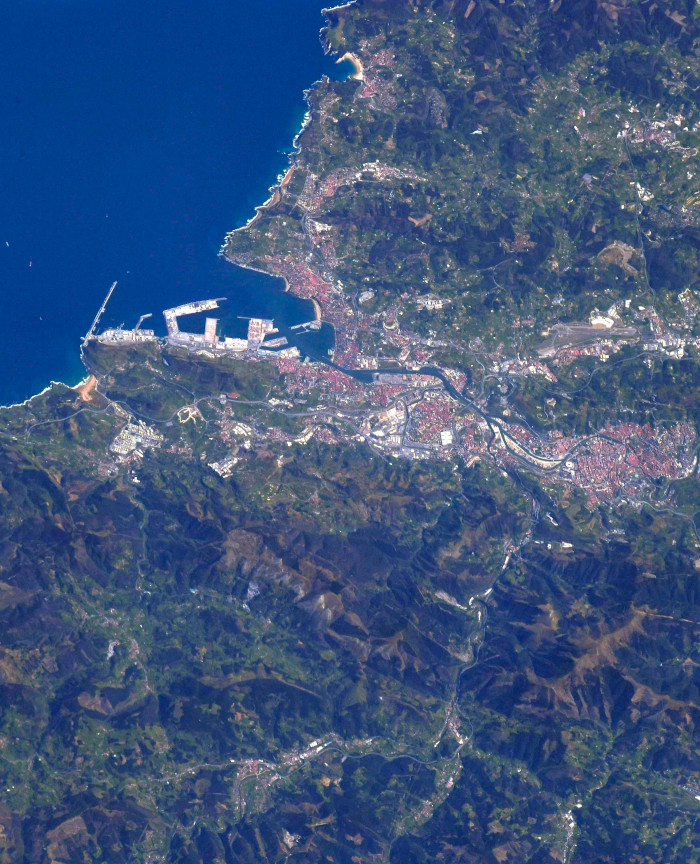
column 260, row 337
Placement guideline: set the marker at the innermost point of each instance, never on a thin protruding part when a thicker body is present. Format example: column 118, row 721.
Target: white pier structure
column 95, row 322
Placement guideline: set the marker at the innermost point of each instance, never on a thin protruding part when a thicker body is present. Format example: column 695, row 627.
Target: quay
column 308, row 325
column 260, row 338
column 100, row 311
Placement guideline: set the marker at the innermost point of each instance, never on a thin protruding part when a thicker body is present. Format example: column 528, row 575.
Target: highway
column 517, row 451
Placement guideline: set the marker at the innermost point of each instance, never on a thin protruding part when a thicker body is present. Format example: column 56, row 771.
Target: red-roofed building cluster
column 431, row 417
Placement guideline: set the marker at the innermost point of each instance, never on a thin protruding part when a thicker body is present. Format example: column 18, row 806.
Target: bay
column 133, row 135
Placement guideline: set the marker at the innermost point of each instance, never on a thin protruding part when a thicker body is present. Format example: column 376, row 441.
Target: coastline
column 359, row 74
column 52, row 383
column 281, row 182
column 275, row 193
column 25, row 403
column 283, row 178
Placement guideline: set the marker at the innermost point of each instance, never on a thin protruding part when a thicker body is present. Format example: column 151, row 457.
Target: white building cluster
column 134, row 438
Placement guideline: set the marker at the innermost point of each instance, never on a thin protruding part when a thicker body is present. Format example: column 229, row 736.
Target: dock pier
column 95, row 322
column 308, row 325
column 142, row 319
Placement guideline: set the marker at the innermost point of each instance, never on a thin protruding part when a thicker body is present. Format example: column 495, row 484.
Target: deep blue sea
column 133, row 135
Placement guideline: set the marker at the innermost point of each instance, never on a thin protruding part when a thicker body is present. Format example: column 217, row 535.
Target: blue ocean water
column 133, row 135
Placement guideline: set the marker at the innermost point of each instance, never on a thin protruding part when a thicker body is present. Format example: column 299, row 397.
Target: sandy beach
column 359, row 74
column 287, row 177
column 86, row 387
